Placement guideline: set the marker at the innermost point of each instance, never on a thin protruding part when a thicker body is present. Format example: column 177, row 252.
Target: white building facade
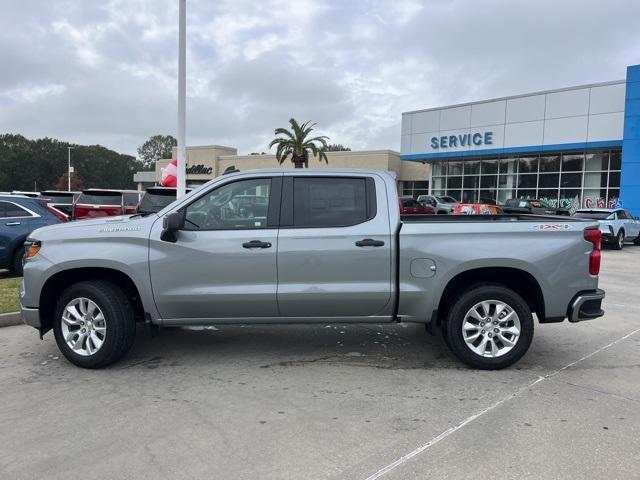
column 569, row 146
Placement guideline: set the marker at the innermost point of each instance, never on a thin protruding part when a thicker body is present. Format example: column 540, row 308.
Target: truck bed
column 489, row 218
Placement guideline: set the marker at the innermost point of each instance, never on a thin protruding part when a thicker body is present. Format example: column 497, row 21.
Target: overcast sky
column 105, row 71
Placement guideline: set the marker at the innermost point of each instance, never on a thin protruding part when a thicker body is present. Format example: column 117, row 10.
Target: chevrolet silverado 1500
column 320, row 246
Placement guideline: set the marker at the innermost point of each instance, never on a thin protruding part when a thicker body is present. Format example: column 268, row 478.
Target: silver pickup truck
column 309, row 246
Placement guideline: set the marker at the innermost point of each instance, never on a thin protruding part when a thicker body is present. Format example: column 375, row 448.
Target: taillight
column 594, row 236
column 63, row 217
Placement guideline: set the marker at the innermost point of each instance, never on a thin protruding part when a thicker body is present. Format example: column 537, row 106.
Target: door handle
column 369, row 242
column 12, row 224
column 256, row 244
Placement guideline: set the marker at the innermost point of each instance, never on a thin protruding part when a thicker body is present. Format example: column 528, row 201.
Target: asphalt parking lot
column 331, row 402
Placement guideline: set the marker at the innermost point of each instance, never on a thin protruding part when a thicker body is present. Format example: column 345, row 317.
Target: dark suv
column 19, row 216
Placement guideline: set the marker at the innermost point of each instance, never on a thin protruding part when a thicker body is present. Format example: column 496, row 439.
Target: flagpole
column 182, row 70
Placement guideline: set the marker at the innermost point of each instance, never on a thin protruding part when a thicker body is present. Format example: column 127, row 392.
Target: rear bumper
column 31, row 316
column 586, row 306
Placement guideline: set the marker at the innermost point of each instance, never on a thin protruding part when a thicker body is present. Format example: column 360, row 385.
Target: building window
column 415, row 188
column 569, row 180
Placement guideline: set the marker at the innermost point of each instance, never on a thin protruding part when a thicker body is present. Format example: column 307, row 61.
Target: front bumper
column 586, row 306
column 31, row 316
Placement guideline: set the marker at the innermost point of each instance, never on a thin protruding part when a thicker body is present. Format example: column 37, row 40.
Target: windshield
column 58, row 197
column 100, row 198
column 131, row 199
column 594, row 215
column 447, row 200
column 156, row 201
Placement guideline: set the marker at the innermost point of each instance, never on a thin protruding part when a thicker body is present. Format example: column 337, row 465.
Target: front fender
column 129, row 256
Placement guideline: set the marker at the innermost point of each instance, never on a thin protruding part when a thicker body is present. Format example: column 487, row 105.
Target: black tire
column 618, row 243
column 16, row 261
column 637, row 241
column 119, row 320
column 456, row 316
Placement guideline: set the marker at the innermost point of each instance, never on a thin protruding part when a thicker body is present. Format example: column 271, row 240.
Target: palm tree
column 296, row 144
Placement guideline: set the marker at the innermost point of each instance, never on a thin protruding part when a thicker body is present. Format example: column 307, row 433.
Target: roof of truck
column 341, row 171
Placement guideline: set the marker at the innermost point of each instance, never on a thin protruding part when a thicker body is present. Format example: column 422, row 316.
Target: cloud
column 105, row 72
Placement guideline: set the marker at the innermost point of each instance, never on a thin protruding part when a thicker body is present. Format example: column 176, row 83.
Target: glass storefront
column 415, row 188
column 567, row 180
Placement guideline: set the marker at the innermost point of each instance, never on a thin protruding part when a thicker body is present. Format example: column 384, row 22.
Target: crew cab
column 330, row 247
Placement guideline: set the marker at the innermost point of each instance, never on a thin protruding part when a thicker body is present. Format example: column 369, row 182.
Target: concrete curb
column 10, row 319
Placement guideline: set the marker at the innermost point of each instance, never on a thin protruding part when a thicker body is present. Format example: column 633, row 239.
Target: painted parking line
column 468, row 420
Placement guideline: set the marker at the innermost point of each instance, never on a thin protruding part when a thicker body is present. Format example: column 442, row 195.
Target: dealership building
column 573, row 147
column 209, row 161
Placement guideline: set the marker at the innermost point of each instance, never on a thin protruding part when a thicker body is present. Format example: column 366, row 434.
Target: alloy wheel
column 491, row 328
column 83, row 326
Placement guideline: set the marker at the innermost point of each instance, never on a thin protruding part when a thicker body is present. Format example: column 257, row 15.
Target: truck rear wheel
column 489, row 327
column 94, row 324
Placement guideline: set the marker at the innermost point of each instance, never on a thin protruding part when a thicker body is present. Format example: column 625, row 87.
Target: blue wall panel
column 630, row 177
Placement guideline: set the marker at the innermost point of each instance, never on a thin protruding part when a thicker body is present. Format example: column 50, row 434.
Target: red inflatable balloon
column 170, row 174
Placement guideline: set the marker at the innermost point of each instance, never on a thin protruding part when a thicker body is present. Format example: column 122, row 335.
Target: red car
column 95, row 203
column 409, row 206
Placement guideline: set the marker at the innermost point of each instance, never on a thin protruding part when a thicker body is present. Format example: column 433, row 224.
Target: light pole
column 69, row 168
column 182, row 70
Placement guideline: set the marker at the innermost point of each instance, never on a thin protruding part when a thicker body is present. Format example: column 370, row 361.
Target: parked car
column 95, row 203
column 155, row 199
column 476, row 209
column 442, row 204
column 61, row 200
column 409, row 206
column 616, row 224
column 19, row 216
column 131, row 200
column 333, row 247
column 532, row 205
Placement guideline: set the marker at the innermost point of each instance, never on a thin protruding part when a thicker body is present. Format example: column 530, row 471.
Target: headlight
column 32, row 248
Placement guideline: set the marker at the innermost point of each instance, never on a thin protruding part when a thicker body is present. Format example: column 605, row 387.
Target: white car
column 616, row 224
column 443, row 205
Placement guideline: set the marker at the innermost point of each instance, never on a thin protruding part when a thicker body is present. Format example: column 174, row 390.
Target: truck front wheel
column 94, row 324
column 489, row 327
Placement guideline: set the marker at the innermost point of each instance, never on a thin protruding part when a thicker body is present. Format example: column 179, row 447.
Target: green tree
column 156, row 148
column 297, row 144
column 76, row 182
column 24, row 161
column 336, row 147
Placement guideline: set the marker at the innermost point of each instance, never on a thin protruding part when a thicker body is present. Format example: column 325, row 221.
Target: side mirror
column 171, row 224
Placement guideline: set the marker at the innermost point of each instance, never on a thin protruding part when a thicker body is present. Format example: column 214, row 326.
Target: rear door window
column 11, row 210
column 100, row 199
column 330, row 202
